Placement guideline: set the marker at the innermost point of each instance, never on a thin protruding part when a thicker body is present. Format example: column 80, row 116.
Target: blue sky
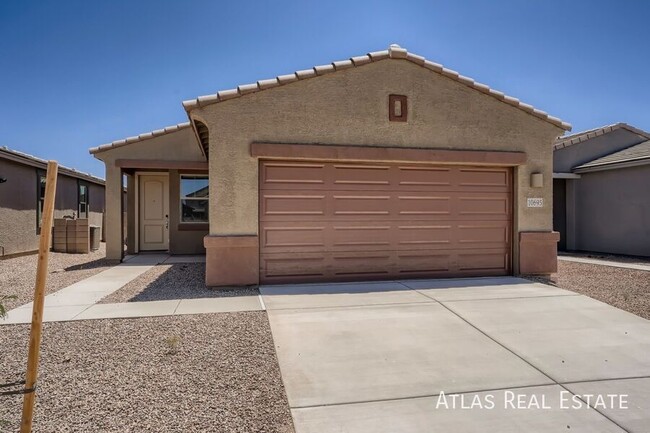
column 77, row 74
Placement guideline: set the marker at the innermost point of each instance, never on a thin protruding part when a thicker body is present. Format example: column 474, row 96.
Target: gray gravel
column 627, row 289
column 202, row 373
column 173, row 281
column 611, row 257
column 17, row 275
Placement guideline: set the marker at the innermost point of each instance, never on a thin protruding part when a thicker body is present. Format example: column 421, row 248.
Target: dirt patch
column 203, row 373
column 173, row 281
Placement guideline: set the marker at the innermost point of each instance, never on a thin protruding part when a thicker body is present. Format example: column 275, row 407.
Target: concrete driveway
column 465, row 355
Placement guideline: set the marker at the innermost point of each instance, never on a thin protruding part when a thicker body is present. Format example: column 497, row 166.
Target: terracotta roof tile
column 141, row 137
column 393, row 52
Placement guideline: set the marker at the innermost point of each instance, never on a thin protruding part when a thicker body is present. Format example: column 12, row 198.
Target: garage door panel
column 354, row 205
column 338, row 221
column 284, row 237
column 288, row 267
column 483, row 260
column 484, row 179
column 483, row 206
column 292, row 204
column 422, row 177
column 355, row 176
column 278, row 175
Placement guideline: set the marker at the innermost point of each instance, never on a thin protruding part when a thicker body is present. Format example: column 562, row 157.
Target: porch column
column 114, row 237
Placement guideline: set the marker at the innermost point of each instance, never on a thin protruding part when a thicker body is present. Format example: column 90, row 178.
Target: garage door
column 322, row 221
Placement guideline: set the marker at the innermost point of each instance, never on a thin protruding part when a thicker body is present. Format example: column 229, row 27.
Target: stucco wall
column 612, row 211
column 18, row 200
column 571, row 156
column 351, row 108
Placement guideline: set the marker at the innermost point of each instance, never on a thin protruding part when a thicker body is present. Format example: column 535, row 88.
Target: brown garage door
column 322, row 221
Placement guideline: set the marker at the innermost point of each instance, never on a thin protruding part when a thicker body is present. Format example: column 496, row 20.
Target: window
column 40, row 196
column 194, row 199
column 83, row 200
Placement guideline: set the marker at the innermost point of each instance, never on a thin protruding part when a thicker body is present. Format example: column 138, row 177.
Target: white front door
column 154, row 212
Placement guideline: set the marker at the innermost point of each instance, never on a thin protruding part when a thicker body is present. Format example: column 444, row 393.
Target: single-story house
column 601, row 192
column 22, row 192
column 382, row 166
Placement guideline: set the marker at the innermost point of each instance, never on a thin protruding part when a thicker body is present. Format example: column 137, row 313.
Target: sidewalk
column 79, row 301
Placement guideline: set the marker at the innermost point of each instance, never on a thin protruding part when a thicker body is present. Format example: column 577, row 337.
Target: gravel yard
column 627, row 289
column 611, row 257
column 17, row 275
column 201, row 373
column 173, row 281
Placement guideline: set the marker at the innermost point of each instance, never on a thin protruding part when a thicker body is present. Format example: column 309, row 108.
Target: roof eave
column 614, row 165
column 138, row 138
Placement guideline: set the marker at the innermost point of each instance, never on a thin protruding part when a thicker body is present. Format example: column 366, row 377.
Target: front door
column 154, row 212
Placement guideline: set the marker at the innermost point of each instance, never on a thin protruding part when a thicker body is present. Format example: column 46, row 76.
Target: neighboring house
column 601, row 187
column 383, row 166
column 22, row 191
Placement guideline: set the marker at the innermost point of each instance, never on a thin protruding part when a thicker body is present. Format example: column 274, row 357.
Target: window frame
column 182, row 197
column 41, row 181
column 81, row 183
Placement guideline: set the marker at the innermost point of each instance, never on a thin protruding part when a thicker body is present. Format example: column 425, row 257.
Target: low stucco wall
column 612, row 211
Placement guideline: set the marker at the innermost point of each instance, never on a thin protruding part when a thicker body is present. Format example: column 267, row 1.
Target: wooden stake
column 39, row 298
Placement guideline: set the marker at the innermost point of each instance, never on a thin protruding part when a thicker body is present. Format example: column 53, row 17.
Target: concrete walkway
column 376, row 357
column 604, row 262
column 79, row 301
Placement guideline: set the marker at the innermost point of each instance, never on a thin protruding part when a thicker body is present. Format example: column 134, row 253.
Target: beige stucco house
column 382, row 166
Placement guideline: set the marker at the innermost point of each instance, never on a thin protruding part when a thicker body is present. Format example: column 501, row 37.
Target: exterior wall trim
column 365, row 153
column 161, row 164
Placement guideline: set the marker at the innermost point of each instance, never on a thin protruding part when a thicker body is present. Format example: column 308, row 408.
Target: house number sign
column 535, row 202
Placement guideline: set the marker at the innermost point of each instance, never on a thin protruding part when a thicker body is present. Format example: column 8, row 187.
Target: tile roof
column 393, row 52
column 633, row 155
column 141, row 137
column 25, row 158
column 579, row 137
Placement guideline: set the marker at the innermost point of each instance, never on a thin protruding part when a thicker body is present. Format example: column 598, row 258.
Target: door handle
column 167, row 222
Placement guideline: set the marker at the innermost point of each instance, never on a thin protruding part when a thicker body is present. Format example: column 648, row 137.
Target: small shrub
column 172, row 343
column 3, row 310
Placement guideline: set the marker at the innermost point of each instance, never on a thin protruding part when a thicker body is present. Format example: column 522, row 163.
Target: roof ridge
column 393, row 52
column 579, row 137
column 140, row 137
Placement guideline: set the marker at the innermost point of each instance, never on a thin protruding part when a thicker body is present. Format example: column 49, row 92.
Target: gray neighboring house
column 22, row 189
column 601, row 190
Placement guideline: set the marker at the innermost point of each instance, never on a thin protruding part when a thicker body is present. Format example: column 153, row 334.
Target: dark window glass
column 83, row 200
column 194, row 198
column 41, row 199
